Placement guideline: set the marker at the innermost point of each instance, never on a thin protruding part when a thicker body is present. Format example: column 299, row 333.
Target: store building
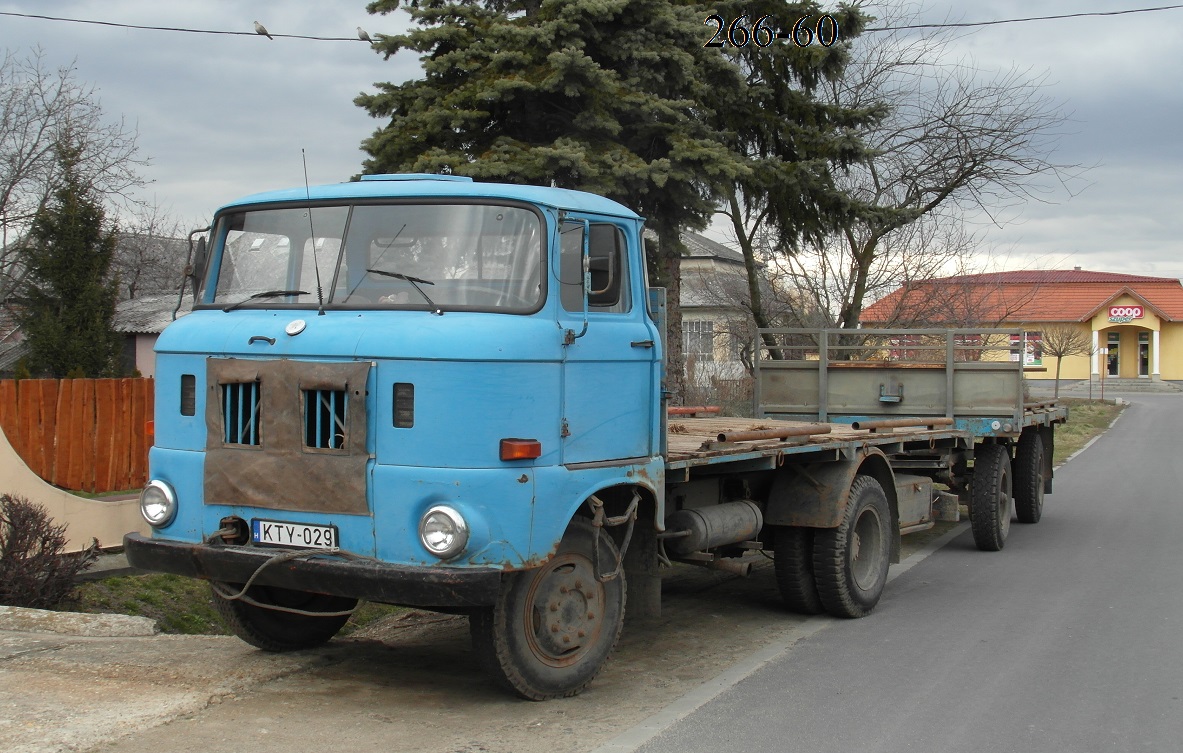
column 1132, row 324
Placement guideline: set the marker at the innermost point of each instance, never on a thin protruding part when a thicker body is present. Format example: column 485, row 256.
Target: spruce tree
column 616, row 97
column 67, row 306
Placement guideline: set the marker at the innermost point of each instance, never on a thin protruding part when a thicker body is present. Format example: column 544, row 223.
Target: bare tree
column 935, row 276
column 40, row 110
column 816, row 282
column 1062, row 340
column 150, row 255
column 955, row 140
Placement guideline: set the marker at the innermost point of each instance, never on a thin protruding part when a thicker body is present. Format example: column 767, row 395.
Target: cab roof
column 412, row 185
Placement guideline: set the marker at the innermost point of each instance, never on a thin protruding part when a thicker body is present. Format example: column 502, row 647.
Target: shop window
column 1027, row 348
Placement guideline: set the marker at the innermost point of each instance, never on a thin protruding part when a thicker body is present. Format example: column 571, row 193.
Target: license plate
column 305, row 535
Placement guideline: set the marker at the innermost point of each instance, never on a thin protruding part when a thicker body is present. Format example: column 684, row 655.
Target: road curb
column 24, row 620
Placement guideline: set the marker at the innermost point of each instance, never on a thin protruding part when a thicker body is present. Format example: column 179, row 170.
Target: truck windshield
column 436, row 257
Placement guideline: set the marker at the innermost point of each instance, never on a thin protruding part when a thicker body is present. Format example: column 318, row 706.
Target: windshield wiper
column 415, row 284
column 266, row 294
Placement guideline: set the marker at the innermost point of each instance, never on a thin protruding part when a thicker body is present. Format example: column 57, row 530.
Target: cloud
column 223, row 116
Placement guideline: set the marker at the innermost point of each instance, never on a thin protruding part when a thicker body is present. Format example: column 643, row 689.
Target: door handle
column 642, row 343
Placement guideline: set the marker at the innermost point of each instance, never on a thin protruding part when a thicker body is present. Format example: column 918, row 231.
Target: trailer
column 427, row 391
column 971, row 378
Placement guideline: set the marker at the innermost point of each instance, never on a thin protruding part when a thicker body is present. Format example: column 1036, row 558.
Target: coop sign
column 1123, row 314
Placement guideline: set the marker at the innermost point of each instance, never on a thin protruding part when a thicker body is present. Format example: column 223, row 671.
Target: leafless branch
column 40, row 110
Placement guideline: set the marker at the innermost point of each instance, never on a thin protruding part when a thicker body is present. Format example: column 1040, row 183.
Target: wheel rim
column 566, row 607
column 866, row 550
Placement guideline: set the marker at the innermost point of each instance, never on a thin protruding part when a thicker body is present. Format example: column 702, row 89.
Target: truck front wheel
column 850, row 562
column 553, row 627
column 275, row 630
column 990, row 506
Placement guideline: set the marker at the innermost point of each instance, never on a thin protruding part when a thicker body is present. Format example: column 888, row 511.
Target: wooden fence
column 80, row 434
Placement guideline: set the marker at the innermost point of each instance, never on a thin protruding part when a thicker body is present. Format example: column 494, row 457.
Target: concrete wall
column 85, row 519
column 145, row 356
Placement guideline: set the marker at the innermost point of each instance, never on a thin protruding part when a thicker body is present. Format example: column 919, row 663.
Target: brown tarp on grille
column 281, row 473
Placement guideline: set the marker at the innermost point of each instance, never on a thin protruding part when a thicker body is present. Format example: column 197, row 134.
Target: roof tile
column 1035, row 295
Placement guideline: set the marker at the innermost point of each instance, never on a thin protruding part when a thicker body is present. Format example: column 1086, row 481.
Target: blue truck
column 428, row 391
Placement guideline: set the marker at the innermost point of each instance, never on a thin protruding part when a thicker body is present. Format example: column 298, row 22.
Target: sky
column 222, row 116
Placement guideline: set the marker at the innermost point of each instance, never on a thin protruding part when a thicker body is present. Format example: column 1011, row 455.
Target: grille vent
column 324, row 419
column 240, row 413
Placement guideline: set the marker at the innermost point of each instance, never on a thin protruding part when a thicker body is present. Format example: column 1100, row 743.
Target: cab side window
column 608, row 263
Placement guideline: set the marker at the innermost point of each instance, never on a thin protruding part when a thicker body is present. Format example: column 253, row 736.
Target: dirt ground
column 409, row 683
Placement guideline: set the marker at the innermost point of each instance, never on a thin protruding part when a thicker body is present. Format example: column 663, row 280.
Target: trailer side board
column 972, row 376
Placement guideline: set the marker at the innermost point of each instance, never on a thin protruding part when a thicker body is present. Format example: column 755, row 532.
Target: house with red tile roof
column 1134, row 322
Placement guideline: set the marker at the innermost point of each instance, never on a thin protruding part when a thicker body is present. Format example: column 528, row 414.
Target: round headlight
column 158, row 503
column 443, row 532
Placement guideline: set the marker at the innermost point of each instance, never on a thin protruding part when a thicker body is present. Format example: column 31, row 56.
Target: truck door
column 610, row 345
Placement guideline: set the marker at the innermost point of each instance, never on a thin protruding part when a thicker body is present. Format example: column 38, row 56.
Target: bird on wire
column 261, row 30
column 364, row 35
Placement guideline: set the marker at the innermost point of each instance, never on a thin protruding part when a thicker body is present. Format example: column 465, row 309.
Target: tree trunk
column 667, row 267
column 861, row 259
column 755, row 295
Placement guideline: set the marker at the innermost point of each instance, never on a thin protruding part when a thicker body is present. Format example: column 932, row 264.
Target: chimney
column 1076, row 269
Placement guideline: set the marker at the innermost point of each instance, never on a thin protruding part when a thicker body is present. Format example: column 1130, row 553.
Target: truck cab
column 404, row 388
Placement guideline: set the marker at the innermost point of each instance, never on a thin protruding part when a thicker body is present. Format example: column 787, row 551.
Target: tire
column 990, row 505
column 553, row 627
column 272, row 630
column 850, row 562
column 1029, row 477
column 793, row 560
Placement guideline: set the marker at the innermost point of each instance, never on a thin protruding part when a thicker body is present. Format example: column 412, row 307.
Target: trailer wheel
column 793, row 560
column 990, row 506
column 273, row 630
column 850, row 562
column 553, row 627
column 1029, row 477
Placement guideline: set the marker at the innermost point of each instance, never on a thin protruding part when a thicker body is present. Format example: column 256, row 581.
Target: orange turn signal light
column 520, row 449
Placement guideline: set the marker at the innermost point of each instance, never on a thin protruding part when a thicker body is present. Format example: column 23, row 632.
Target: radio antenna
column 320, row 299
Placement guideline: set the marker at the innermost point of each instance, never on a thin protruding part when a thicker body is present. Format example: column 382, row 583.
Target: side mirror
column 196, row 271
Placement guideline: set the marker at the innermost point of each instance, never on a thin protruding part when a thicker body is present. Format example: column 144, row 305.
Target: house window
column 698, row 340
column 736, row 347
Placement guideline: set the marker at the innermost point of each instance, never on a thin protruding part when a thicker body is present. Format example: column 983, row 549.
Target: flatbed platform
column 697, row 442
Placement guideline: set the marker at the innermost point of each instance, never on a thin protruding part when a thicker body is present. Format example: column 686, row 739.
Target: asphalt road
column 1070, row 639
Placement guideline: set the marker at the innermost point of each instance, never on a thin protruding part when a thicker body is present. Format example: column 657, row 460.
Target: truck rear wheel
column 273, row 630
column 1029, row 477
column 850, row 562
column 793, row 560
column 553, row 627
column 990, row 506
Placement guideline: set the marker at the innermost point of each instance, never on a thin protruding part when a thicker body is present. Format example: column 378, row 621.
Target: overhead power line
column 178, row 28
column 960, row 25
column 967, row 24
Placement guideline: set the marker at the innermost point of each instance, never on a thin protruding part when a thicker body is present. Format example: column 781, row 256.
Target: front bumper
column 372, row 580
